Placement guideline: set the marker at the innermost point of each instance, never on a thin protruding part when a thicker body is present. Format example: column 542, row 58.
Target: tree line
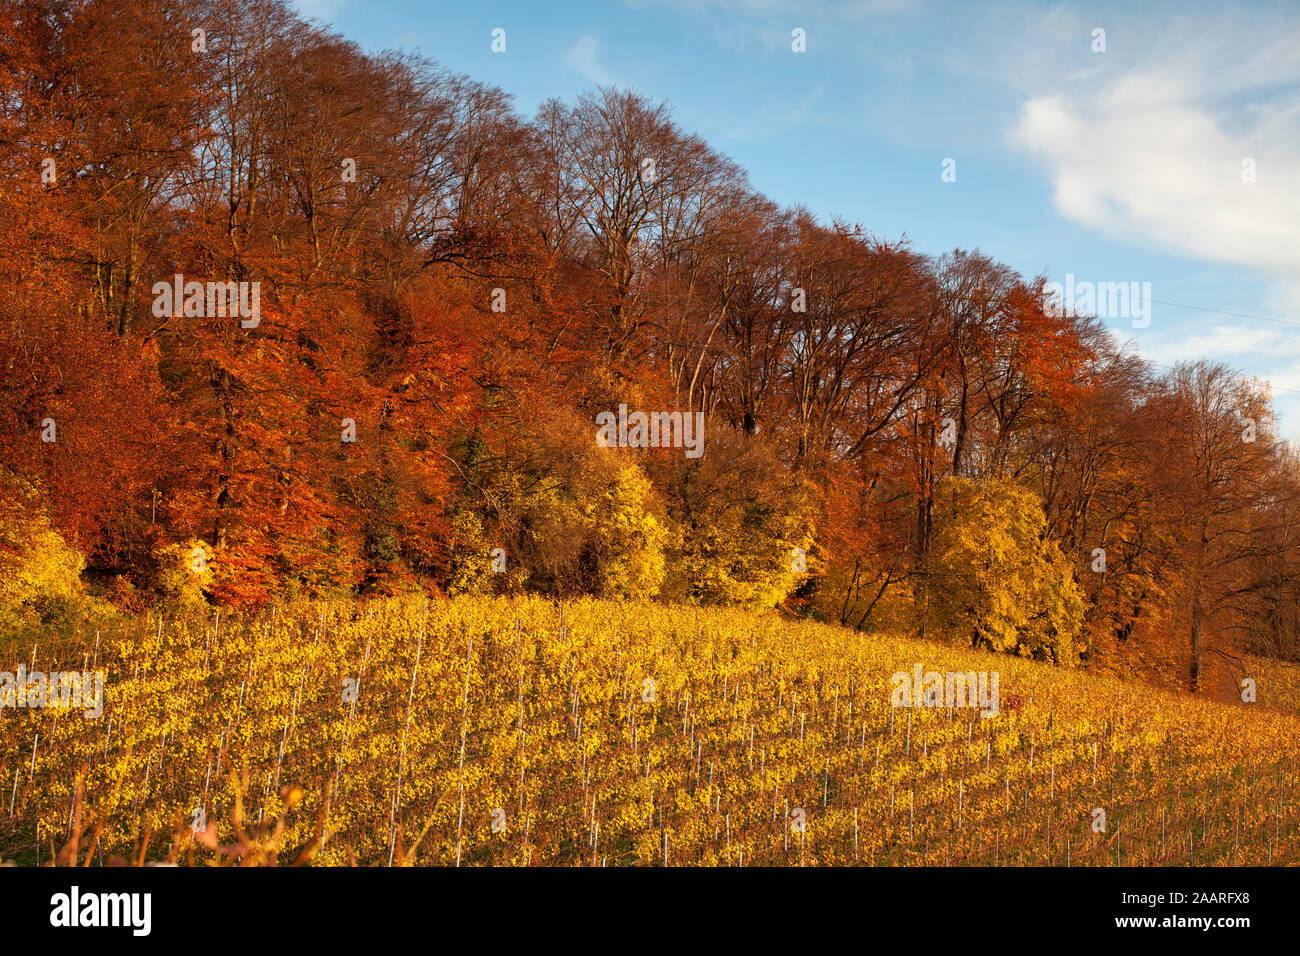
column 451, row 293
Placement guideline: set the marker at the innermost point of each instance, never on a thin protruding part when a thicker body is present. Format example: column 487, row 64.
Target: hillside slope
column 513, row 732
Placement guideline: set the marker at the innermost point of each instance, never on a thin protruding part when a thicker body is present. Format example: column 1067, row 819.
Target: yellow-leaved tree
column 184, row 573
column 744, row 529
column 553, row 512
column 995, row 579
column 40, row 573
column 624, row 536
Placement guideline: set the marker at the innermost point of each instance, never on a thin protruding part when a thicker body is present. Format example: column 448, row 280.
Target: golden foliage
column 596, row 732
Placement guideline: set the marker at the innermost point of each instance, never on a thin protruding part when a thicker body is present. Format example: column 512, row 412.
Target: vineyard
column 529, row 732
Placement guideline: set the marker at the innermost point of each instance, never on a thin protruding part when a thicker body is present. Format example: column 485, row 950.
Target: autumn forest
column 424, row 302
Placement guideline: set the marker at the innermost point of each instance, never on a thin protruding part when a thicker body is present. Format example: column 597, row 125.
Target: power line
column 1279, row 388
column 1240, row 315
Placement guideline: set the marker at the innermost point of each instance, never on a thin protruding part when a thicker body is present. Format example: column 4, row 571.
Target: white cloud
column 1143, row 161
column 783, row 10
column 323, row 10
column 777, row 118
column 1146, row 143
column 1284, row 299
column 1271, row 351
column 584, row 58
column 1228, row 342
column 766, row 24
column 1152, row 152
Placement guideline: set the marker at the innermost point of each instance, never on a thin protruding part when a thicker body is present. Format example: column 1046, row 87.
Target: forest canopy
column 449, row 295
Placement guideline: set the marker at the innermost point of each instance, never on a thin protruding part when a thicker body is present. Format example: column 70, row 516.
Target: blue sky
column 1117, row 166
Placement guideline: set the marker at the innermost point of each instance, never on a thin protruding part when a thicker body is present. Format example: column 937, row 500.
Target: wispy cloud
column 1146, row 161
column 1159, row 150
column 766, row 24
column 775, row 118
column 584, row 58
column 1152, row 142
column 323, row 10
column 809, row 10
column 1229, row 342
